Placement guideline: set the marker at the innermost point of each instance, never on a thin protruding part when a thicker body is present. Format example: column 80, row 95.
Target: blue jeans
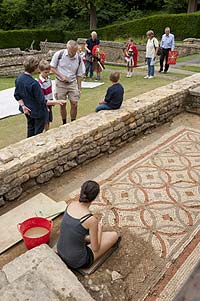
column 89, row 69
column 103, row 106
column 150, row 66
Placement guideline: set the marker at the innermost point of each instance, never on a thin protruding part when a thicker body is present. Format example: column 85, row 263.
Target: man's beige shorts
column 67, row 90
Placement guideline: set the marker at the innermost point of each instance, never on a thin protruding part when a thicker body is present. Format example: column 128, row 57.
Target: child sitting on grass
column 46, row 86
column 114, row 95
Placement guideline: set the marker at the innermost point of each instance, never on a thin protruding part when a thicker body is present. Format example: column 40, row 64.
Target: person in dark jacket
column 114, row 95
column 30, row 98
column 89, row 45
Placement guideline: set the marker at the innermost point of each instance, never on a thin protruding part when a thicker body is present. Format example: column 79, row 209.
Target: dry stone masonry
column 114, row 50
column 114, row 53
column 193, row 101
column 11, row 60
column 38, row 159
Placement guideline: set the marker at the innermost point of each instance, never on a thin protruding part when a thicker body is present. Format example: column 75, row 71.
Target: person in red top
column 131, row 55
column 98, row 60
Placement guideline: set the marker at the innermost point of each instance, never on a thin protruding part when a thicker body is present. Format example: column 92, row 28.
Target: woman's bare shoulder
column 75, row 210
column 92, row 221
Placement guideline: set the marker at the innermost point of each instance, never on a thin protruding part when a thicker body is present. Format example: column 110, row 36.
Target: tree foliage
column 83, row 14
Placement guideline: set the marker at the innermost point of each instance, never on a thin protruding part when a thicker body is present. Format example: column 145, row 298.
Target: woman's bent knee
column 112, row 236
column 115, row 236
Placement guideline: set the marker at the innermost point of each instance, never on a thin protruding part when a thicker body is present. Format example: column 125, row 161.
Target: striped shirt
column 46, row 86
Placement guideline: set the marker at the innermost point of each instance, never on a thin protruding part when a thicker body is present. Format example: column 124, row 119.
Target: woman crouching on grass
column 81, row 240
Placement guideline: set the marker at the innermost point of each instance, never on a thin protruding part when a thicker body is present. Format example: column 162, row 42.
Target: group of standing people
column 35, row 98
column 153, row 49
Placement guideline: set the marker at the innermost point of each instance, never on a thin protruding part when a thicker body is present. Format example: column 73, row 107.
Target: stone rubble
column 116, row 276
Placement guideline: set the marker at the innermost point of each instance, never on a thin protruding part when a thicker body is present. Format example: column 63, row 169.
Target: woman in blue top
column 81, row 240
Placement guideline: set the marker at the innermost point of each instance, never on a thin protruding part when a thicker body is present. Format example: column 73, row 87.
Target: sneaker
column 146, row 76
column 160, row 71
column 151, row 77
column 127, row 75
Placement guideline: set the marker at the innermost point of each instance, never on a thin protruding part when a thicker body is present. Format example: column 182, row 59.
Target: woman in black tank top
column 81, row 240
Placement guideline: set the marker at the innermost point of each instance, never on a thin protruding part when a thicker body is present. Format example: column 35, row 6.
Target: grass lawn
column 6, row 83
column 191, row 68
column 175, row 75
column 13, row 129
column 187, row 58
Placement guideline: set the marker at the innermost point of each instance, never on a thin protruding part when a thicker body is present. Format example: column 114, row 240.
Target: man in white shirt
column 166, row 44
column 69, row 68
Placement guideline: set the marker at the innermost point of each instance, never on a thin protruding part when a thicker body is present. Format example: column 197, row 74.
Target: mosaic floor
column 156, row 194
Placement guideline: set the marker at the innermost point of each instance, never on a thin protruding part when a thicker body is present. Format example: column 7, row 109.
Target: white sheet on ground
column 9, row 106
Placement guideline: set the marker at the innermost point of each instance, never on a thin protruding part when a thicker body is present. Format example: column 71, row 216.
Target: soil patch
column 138, row 265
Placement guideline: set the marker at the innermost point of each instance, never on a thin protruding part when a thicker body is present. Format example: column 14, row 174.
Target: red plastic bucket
column 33, row 222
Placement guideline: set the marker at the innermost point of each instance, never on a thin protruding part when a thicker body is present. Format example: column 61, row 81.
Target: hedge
column 182, row 25
column 23, row 38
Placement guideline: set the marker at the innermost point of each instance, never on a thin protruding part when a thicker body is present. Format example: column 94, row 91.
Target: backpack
column 61, row 55
column 159, row 48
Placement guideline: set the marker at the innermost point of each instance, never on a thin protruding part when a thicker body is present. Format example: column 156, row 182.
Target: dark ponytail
column 89, row 191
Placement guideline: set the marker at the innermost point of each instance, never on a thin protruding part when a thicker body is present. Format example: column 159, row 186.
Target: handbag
column 159, row 51
column 172, row 57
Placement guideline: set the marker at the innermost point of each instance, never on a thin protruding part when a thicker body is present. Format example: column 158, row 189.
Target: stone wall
column 114, row 50
column 193, row 101
column 38, row 159
column 11, row 60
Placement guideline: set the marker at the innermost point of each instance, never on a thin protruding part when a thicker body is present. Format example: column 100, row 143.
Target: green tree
column 39, row 12
column 13, row 14
column 176, row 6
column 86, row 6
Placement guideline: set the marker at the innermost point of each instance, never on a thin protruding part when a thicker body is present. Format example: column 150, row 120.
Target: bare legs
column 130, row 69
column 108, row 239
column 73, row 111
column 63, row 113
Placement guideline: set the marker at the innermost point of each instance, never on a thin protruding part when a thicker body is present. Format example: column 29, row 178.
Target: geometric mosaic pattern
column 157, row 194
